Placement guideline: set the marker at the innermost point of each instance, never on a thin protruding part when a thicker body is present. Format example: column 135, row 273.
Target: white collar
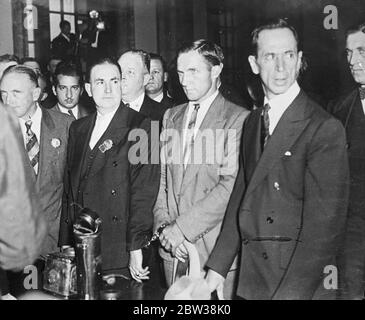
column 136, row 104
column 206, row 103
column 159, row 97
column 75, row 110
column 66, row 37
column 280, row 103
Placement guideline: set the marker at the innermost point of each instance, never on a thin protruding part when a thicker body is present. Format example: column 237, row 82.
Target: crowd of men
column 269, row 198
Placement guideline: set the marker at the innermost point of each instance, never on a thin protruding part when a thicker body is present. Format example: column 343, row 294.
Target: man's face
column 68, row 91
column 52, row 65
column 66, row 29
column 19, row 93
column 278, row 60
column 5, row 65
column 134, row 76
column 355, row 50
column 33, row 65
column 105, row 86
column 157, row 79
column 196, row 76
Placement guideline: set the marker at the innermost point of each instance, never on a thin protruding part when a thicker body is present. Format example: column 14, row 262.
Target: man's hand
column 171, row 237
column 181, row 253
column 215, row 282
column 135, row 266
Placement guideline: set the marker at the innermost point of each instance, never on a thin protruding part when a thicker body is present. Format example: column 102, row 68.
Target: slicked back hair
column 211, row 52
column 19, row 69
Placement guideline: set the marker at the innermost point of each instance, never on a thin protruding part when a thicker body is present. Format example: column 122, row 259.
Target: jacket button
column 347, row 145
column 264, row 255
column 269, row 220
column 115, row 218
column 115, row 164
column 276, row 186
column 113, row 192
column 66, row 220
column 245, row 241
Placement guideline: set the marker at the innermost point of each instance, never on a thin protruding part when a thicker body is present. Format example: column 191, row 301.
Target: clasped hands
column 171, row 239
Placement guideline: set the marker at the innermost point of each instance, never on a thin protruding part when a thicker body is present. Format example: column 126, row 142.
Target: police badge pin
column 106, row 145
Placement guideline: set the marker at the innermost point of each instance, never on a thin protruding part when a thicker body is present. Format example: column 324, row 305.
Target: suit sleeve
column 144, row 183
column 324, row 213
column 228, row 242
column 22, row 227
column 160, row 210
column 208, row 212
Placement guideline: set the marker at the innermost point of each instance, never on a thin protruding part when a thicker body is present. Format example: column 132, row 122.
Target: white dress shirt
column 279, row 104
column 36, row 119
column 101, row 124
column 75, row 110
column 159, row 97
column 363, row 105
column 203, row 109
column 137, row 103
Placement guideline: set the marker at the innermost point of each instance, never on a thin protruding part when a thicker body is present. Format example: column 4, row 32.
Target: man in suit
column 45, row 134
column 135, row 65
column 68, row 88
column 349, row 109
column 22, row 227
column 105, row 176
column 155, row 87
column 287, row 211
column 194, row 190
column 64, row 44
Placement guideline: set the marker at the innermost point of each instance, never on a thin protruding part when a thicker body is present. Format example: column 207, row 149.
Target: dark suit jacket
column 289, row 203
column 63, row 48
column 83, row 111
column 167, row 102
column 348, row 109
column 120, row 192
column 152, row 109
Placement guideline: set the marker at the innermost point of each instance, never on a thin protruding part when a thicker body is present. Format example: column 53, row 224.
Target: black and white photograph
column 188, row 156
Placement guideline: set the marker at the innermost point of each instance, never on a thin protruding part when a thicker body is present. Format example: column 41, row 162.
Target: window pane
column 71, row 19
column 55, row 5
column 31, row 52
column 54, row 21
column 30, row 34
column 68, row 6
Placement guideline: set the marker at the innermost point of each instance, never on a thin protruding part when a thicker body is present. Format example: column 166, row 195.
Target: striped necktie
column 265, row 132
column 362, row 93
column 189, row 141
column 32, row 146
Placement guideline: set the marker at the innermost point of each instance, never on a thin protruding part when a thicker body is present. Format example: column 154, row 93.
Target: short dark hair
column 68, row 68
column 145, row 57
column 23, row 70
column 359, row 27
column 64, row 23
column 107, row 60
column 155, row 56
column 9, row 57
column 279, row 23
column 212, row 53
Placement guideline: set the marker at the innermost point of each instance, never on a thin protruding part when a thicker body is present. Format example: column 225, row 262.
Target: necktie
column 362, row 93
column 189, row 141
column 71, row 114
column 265, row 132
column 32, row 146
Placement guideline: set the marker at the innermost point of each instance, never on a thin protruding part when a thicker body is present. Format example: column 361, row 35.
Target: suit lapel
column 47, row 153
column 289, row 128
column 177, row 123
column 214, row 119
column 251, row 144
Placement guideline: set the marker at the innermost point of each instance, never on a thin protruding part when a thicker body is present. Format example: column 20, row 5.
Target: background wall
column 6, row 28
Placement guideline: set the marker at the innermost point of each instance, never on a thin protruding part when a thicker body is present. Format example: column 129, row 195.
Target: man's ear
column 217, row 70
column 44, row 96
column 165, row 77
column 88, row 89
column 253, row 64
column 54, row 91
column 36, row 93
column 146, row 78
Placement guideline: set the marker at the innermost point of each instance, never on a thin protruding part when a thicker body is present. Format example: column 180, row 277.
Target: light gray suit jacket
column 49, row 181
column 197, row 199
